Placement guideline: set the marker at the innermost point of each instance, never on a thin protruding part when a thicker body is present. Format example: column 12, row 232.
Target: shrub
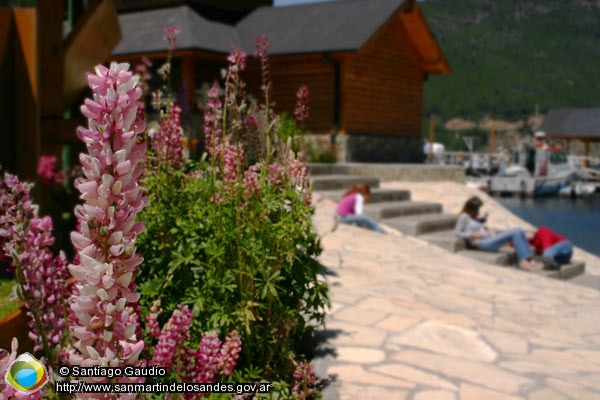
column 232, row 236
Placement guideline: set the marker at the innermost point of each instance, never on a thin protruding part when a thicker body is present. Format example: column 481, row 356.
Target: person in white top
column 469, row 227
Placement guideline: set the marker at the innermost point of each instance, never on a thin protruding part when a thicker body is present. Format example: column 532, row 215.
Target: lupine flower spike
column 106, row 329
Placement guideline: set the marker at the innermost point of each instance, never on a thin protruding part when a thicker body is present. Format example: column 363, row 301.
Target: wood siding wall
column 288, row 74
column 382, row 86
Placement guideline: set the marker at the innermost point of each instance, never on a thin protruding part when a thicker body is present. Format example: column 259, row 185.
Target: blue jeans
column 362, row 221
column 515, row 235
column 561, row 252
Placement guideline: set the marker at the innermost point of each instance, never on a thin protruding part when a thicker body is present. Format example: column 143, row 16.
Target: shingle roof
column 572, row 123
column 311, row 28
column 143, row 32
column 316, row 28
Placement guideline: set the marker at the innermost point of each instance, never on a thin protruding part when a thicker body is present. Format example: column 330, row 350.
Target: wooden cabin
column 365, row 63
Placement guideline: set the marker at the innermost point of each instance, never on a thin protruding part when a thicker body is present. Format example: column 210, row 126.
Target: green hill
column 509, row 55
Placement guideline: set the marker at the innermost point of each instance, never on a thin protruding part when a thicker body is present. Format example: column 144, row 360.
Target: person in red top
column 552, row 245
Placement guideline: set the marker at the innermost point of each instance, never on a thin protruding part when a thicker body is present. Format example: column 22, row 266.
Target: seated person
column 551, row 245
column 350, row 208
column 478, row 236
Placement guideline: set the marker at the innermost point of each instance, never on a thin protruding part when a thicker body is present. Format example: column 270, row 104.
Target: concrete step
column 504, row 257
column 591, row 281
column 377, row 195
column 390, row 209
column 446, row 239
column 335, row 182
column 424, row 224
column 328, row 169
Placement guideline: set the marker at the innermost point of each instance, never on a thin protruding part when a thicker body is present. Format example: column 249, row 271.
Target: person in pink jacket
column 350, row 208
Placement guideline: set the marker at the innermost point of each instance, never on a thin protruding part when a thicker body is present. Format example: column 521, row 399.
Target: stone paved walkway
column 412, row 321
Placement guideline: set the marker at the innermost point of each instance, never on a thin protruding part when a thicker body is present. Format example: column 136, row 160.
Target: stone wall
column 380, row 149
column 409, row 172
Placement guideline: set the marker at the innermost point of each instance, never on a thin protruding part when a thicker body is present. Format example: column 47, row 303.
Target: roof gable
column 316, row 28
column 143, row 32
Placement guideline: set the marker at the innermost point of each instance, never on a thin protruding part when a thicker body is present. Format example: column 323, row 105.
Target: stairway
column 394, row 208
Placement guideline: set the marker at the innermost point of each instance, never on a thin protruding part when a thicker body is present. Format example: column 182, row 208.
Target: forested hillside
column 509, row 55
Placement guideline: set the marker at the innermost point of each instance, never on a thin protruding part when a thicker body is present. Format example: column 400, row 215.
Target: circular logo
column 26, row 374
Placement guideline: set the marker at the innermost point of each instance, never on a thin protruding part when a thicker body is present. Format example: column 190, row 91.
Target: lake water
column 576, row 219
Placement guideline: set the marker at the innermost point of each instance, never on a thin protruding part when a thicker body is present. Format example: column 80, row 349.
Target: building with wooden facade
column 365, row 63
column 574, row 125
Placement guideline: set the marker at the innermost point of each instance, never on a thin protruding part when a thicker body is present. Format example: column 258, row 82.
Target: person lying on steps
column 478, row 236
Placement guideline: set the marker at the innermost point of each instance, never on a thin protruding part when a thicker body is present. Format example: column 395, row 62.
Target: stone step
column 328, row 169
column 446, row 239
column 504, row 257
column 377, row 195
column 335, row 182
column 423, row 223
column 568, row 271
column 591, row 281
column 390, row 209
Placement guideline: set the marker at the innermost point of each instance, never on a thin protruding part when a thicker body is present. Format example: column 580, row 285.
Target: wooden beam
column 50, row 13
column 8, row 158
column 26, row 82
column 431, row 138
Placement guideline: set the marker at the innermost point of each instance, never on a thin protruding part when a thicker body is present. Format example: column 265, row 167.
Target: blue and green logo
column 26, row 374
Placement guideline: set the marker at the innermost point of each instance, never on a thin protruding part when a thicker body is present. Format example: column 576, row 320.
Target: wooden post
column 26, row 80
column 586, row 152
column 492, row 146
column 188, row 63
column 431, row 138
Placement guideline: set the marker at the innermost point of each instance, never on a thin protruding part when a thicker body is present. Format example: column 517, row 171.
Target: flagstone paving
column 410, row 320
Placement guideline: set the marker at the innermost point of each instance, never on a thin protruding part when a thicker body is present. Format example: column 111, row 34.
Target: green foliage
column 508, row 56
column 6, row 305
column 232, row 237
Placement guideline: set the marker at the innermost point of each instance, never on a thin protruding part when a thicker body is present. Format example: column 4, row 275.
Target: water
column 576, row 219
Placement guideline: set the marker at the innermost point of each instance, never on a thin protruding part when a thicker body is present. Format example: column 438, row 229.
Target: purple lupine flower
column 304, row 380
column 152, row 319
column 105, row 332
column 302, row 101
column 167, row 143
column 25, row 241
column 173, row 339
column 170, row 35
column 230, row 352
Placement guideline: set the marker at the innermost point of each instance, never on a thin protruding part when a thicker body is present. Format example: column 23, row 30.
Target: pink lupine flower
column 251, row 185
column 170, row 35
column 212, row 119
column 305, row 379
column 152, row 319
column 261, row 46
column 105, row 332
column 208, row 358
column 173, row 339
column 230, row 353
column 167, row 143
column 25, row 240
column 46, row 167
column 276, row 174
column 232, row 156
column 302, row 100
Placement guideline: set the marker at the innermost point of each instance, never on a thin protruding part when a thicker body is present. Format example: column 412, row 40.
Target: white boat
column 536, row 170
column 578, row 189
